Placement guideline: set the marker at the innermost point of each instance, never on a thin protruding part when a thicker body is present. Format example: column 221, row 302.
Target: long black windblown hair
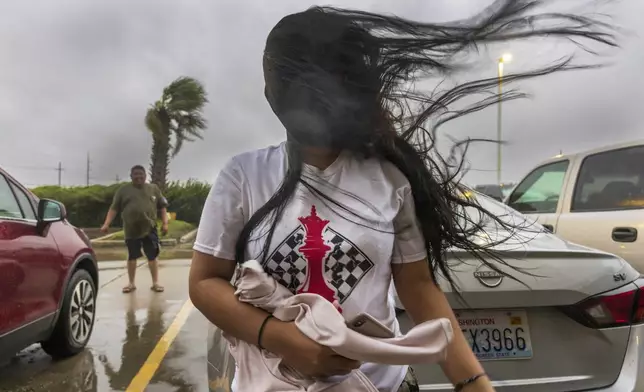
column 344, row 80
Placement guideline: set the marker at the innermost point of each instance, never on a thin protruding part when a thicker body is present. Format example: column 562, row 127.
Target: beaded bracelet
column 459, row 387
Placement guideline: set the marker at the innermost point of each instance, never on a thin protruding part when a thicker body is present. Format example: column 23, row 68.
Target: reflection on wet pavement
column 140, row 339
column 185, row 367
column 127, row 329
column 30, row 371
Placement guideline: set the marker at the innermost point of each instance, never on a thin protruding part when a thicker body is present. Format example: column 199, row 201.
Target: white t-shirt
column 317, row 246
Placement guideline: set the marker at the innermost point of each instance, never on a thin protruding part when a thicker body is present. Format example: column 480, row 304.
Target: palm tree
column 173, row 120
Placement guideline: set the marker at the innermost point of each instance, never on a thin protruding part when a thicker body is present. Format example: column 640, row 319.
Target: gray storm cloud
column 77, row 77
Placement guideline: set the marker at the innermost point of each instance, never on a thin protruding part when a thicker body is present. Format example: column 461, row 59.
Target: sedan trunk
column 542, row 332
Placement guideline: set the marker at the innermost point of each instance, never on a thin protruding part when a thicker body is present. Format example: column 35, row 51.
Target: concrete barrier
column 187, row 238
column 105, row 237
column 170, row 242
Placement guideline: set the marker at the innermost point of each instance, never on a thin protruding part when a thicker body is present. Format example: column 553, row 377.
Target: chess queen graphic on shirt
column 314, row 258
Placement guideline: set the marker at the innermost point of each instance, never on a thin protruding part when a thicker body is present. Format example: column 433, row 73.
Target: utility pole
column 88, row 169
column 499, row 124
column 118, row 179
column 60, row 172
column 506, row 58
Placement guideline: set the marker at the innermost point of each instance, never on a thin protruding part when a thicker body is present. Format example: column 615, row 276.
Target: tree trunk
column 160, row 159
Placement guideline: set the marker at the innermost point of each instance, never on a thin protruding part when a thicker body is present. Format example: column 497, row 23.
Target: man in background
column 138, row 203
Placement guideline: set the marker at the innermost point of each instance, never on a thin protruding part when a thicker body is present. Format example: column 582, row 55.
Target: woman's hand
column 303, row 354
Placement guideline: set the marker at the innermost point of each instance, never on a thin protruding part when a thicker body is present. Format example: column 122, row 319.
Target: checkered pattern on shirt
column 285, row 264
column 344, row 267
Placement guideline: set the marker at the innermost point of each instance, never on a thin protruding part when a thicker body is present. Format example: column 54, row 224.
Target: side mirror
column 51, row 211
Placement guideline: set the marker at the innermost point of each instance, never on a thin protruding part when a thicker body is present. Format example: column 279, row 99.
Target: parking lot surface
column 141, row 341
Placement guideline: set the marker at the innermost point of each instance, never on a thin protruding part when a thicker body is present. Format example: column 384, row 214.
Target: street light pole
column 506, row 58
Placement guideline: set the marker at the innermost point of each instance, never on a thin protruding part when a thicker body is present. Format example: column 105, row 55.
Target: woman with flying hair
column 358, row 194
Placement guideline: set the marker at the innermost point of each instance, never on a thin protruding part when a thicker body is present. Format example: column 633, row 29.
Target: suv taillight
column 610, row 310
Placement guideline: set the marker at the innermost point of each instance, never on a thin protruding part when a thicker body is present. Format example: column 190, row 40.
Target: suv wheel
column 76, row 319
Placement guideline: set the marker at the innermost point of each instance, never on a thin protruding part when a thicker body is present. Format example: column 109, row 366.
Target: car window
column 612, row 180
column 9, row 207
column 25, row 203
column 539, row 192
column 496, row 209
column 497, row 192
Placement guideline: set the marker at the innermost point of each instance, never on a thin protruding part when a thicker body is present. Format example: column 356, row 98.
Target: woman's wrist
column 481, row 383
column 272, row 338
column 260, row 334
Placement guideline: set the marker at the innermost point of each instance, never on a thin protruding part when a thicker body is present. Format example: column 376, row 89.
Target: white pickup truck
column 594, row 198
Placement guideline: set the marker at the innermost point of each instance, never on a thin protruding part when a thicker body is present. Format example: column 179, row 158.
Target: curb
column 103, row 238
column 120, row 243
column 189, row 237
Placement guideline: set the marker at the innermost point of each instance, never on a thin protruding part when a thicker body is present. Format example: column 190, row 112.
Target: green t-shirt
column 138, row 207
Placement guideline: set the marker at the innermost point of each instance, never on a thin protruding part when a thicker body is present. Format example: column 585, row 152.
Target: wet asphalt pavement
column 127, row 335
column 127, row 330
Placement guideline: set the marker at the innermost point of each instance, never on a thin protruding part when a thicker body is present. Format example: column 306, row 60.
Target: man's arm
column 111, row 214
column 424, row 300
column 162, row 204
column 164, row 216
column 113, row 211
column 164, row 221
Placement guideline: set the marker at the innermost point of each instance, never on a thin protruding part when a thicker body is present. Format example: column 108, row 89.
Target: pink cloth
column 259, row 370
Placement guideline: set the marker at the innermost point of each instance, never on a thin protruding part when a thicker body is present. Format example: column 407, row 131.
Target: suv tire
column 75, row 322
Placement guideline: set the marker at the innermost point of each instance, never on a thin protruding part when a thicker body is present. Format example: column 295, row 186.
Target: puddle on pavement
column 32, row 369
column 127, row 329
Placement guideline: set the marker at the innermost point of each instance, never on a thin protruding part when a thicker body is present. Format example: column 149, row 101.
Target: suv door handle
column 550, row 228
column 624, row 234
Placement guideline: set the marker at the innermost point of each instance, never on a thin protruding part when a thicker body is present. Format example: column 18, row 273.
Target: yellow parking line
column 143, row 377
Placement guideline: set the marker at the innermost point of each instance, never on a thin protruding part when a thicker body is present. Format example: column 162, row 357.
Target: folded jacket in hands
column 318, row 319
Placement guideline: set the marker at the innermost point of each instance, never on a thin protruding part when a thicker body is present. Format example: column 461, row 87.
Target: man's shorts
column 149, row 244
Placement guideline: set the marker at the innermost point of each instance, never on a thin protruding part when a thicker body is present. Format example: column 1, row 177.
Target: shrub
column 87, row 205
column 187, row 199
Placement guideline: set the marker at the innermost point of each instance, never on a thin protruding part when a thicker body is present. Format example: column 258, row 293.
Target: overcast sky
column 77, row 76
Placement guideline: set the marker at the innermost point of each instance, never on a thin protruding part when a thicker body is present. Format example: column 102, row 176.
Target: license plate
column 497, row 335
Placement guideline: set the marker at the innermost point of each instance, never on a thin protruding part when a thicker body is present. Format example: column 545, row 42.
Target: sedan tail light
column 610, row 310
column 639, row 307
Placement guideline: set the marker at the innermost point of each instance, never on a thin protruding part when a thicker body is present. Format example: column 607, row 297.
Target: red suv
column 48, row 275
